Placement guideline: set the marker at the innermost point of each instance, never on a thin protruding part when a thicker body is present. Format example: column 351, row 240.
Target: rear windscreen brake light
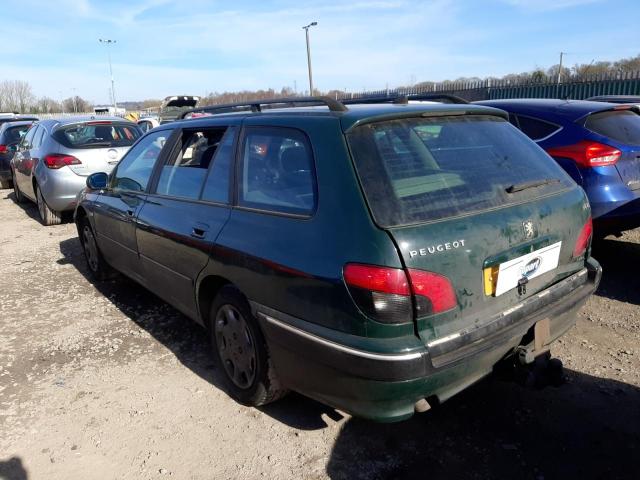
column 587, row 154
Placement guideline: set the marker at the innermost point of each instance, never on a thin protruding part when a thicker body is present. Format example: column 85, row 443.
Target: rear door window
column 184, row 174
column 537, row 129
column 423, row 169
column 97, row 134
column 620, row 125
column 277, row 172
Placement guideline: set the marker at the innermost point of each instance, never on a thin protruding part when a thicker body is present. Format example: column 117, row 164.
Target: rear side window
column 423, row 169
column 535, row 128
column 620, row 125
column 183, row 176
column 97, row 135
column 216, row 188
column 277, row 171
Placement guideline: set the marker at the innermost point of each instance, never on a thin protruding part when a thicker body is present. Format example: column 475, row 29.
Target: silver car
column 54, row 158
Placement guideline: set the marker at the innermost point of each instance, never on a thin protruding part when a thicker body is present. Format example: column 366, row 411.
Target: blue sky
column 167, row 47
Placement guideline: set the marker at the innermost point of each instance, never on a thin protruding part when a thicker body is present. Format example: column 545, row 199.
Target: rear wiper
column 518, row 187
column 98, row 144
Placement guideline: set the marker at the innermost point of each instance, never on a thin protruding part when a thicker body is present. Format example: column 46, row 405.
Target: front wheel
column 16, row 190
column 241, row 351
column 98, row 267
column 48, row 216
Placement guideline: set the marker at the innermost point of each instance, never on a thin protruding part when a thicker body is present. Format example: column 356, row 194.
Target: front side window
column 135, row 169
column 183, row 176
column 277, row 171
column 216, row 188
column 422, row 169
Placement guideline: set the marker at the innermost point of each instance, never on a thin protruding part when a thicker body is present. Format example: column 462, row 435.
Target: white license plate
column 531, row 265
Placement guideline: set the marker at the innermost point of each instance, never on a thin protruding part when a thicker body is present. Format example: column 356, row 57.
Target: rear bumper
column 385, row 386
column 60, row 189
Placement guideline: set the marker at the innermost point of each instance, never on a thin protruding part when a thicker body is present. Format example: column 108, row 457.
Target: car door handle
column 199, row 233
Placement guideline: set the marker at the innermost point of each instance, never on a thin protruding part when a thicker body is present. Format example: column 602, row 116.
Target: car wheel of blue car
column 241, row 351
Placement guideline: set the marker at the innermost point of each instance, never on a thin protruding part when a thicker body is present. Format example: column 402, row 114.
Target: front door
column 116, row 209
column 185, row 212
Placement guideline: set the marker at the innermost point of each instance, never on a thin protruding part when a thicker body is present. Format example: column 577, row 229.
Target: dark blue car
column 597, row 143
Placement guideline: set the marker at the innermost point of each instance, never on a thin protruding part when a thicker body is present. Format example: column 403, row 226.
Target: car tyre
column 48, row 216
column 241, row 351
column 96, row 263
column 16, row 191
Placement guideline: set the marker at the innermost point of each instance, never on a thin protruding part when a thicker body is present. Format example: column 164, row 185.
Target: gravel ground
column 108, row 381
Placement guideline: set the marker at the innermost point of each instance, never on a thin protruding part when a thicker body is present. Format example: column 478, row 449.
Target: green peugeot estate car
column 378, row 258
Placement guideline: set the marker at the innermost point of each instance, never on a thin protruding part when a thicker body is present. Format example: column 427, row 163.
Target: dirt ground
column 106, row 381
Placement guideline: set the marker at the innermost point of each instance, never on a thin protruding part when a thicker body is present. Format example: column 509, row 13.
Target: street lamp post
column 306, row 31
column 113, row 89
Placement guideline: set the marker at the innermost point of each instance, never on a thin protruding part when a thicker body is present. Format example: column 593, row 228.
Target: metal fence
column 625, row 83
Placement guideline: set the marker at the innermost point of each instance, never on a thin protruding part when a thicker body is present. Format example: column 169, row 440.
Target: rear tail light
column 434, row 293
column 3, row 149
column 386, row 294
column 588, row 154
column 57, row 160
column 583, row 238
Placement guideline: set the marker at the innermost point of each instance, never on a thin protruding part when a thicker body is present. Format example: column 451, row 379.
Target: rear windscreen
column 97, row 135
column 422, row 169
column 620, row 125
column 15, row 134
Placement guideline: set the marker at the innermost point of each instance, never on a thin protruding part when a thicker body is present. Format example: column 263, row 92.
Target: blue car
column 597, row 143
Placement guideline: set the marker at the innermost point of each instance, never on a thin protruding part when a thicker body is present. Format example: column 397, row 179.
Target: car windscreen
column 97, row 135
column 620, row 125
column 422, row 169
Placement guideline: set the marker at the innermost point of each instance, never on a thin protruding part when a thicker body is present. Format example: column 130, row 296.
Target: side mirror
column 97, row 181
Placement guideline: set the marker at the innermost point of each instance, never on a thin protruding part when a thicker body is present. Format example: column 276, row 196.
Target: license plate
column 531, row 265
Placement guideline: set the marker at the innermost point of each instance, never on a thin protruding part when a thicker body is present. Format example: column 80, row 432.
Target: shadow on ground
column 618, row 259
column 12, row 469
column 186, row 340
column 31, row 209
column 588, row 428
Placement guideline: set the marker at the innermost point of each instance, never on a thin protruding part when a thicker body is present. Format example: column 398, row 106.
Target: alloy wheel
column 90, row 248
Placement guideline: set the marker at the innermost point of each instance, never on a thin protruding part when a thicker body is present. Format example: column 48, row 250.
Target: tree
column 77, row 104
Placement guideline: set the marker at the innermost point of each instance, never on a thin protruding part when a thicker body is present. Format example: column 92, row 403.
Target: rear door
column 117, row 207
column 473, row 201
column 185, row 212
column 24, row 161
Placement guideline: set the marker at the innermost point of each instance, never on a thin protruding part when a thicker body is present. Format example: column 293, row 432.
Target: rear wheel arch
column 207, row 291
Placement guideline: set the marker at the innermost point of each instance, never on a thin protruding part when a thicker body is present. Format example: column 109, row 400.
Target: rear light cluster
column 583, row 238
column 3, row 149
column 387, row 294
column 57, row 160
column 588, row 154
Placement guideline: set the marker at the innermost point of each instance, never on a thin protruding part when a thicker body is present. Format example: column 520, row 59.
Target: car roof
column 62, row 121
column 570, row 110
column 355, row 114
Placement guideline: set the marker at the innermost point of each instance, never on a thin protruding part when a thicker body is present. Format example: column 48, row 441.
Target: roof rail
column 403, row 99
column 256, row 105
